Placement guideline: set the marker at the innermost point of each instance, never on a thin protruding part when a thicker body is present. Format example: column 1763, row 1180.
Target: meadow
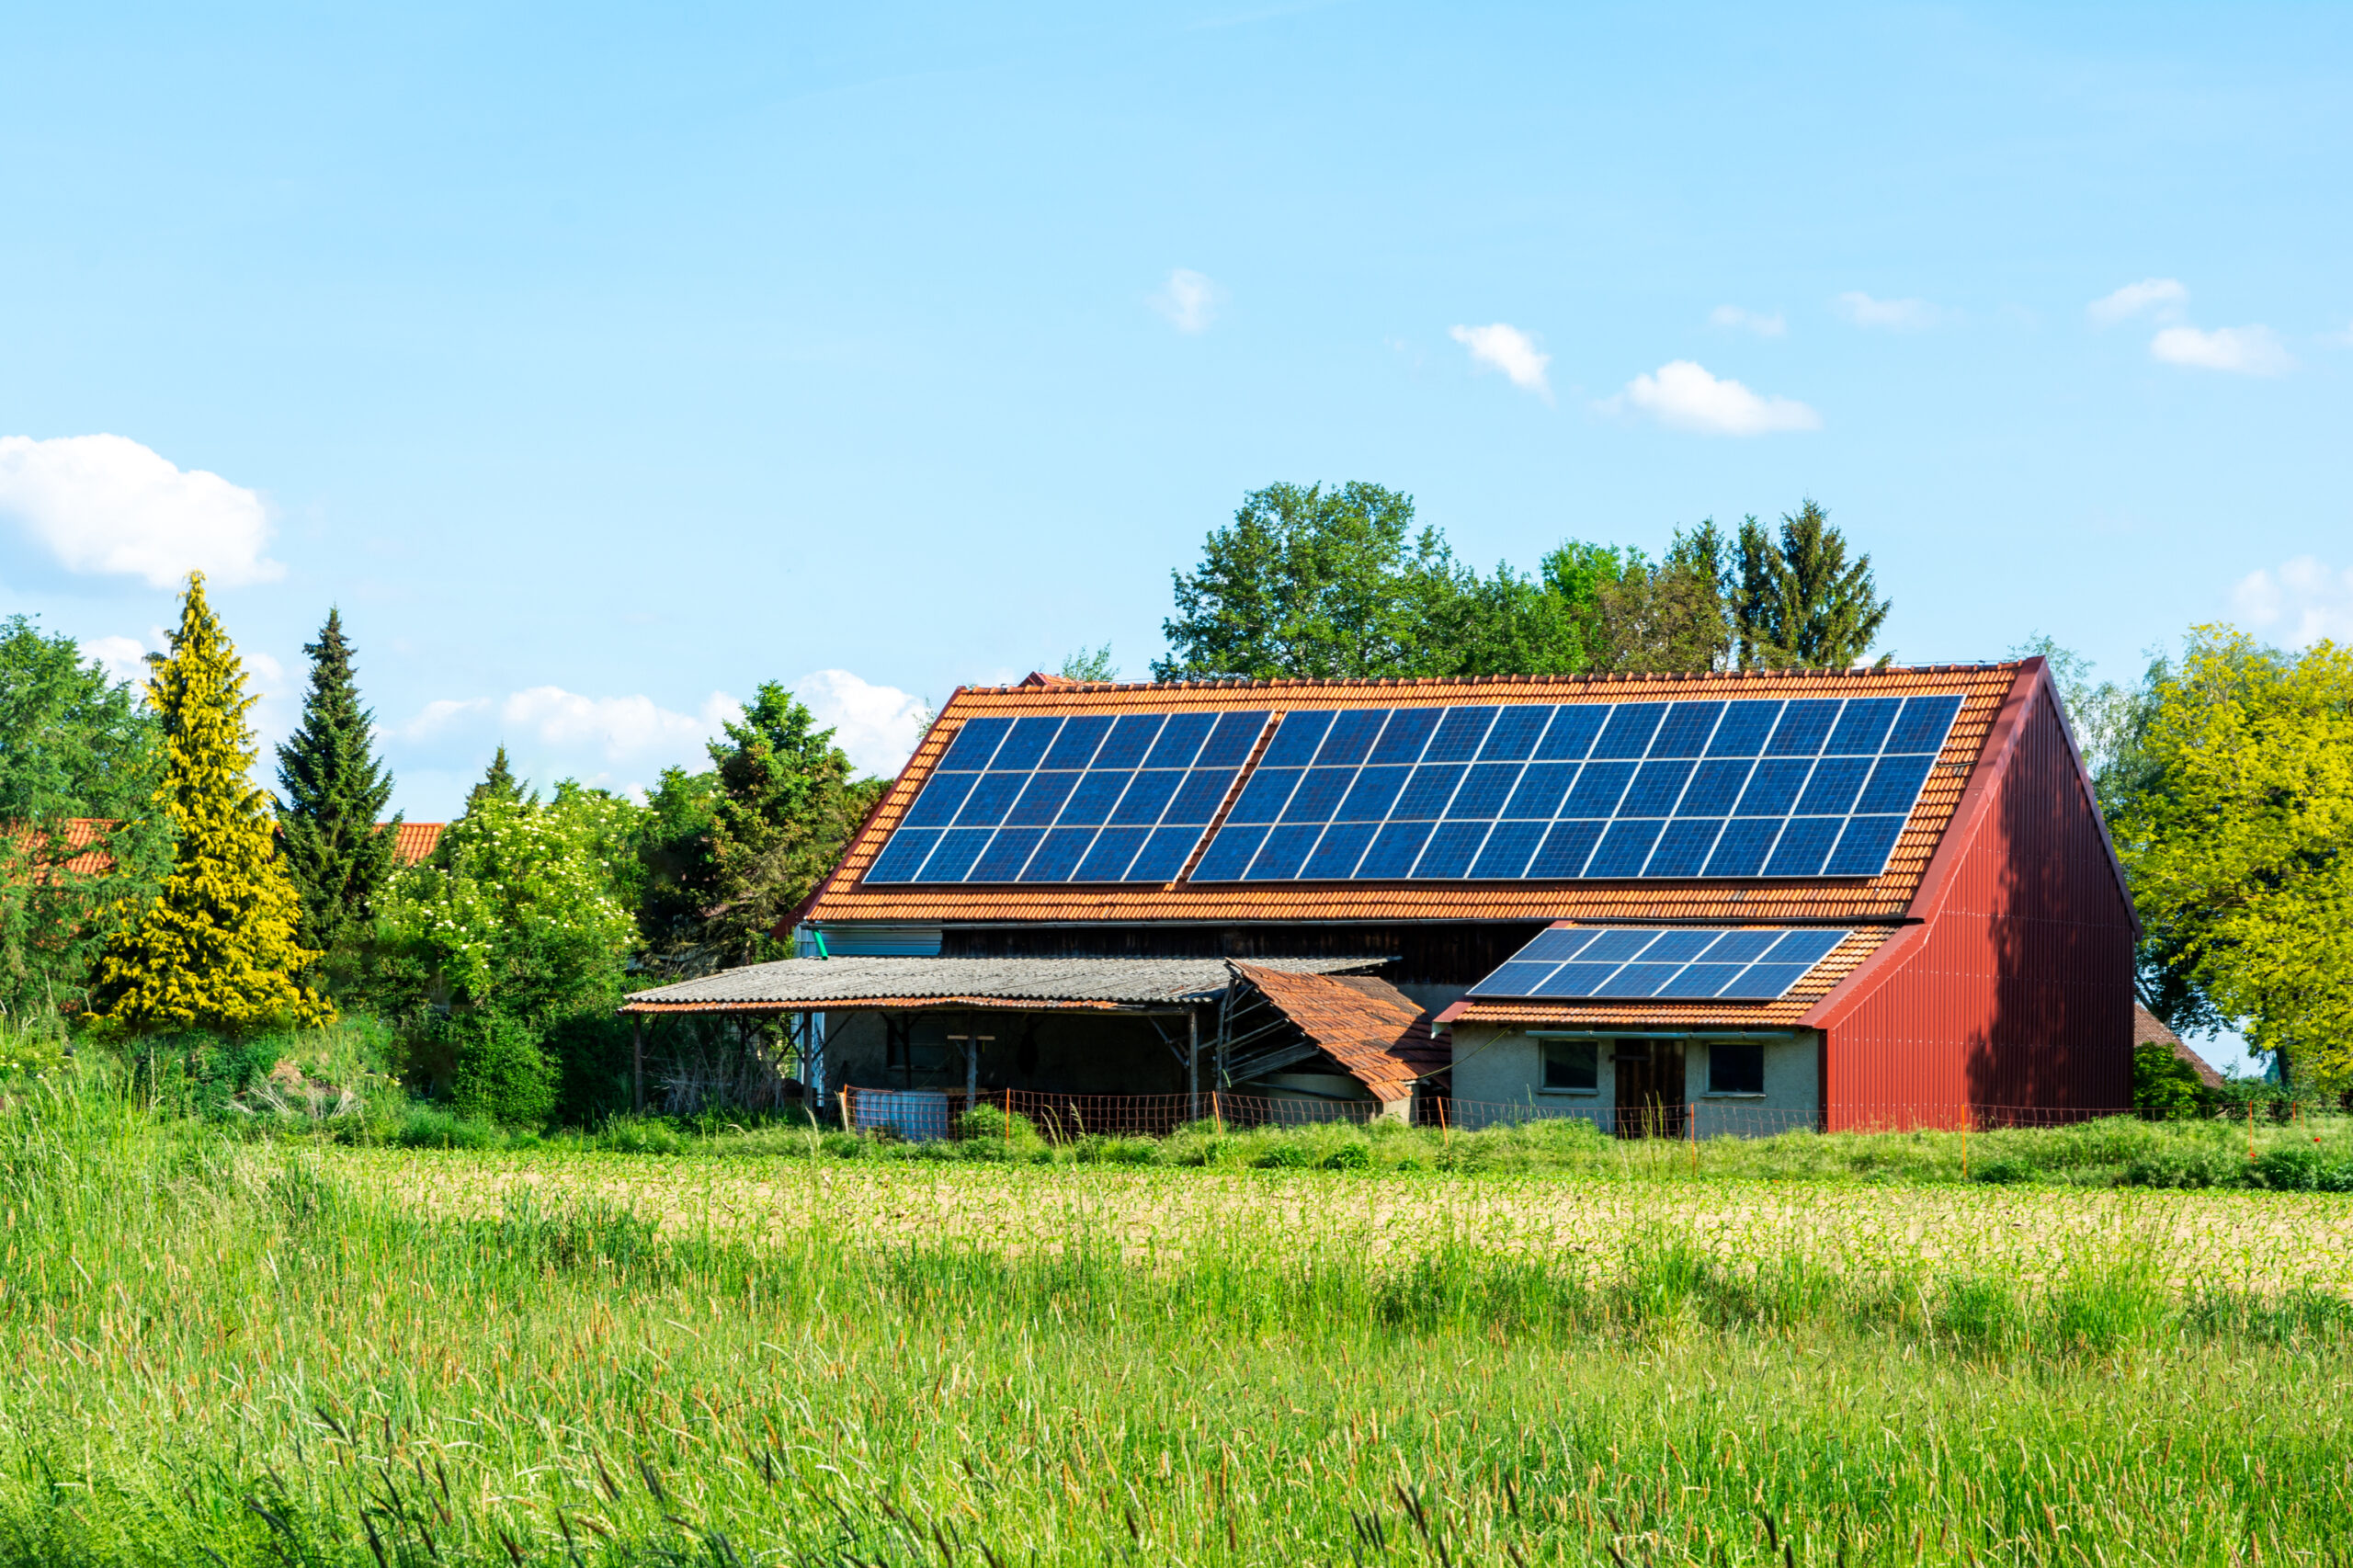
column 244, row 1348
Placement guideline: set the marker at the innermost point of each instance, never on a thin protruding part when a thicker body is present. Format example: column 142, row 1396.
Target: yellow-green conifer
column 216, row 948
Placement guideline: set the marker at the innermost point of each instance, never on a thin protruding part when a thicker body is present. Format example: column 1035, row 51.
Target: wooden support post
column 1193, row 1065
column 971, row 1064
column 637, row 1063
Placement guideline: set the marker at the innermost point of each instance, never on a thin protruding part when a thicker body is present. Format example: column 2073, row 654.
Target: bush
column 434, row 1126
column 638, row 1135
column 2163, row 1083
column 2185, row 1167
column 1350, row 1157
column 499, row 1073
column 2299, row 1168
column 1283, row 1155
column 2004, row 1171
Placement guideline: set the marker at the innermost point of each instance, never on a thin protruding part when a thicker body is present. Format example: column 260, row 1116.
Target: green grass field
column 253, row 1350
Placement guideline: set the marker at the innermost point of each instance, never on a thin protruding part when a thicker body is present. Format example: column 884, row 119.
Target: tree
column 2240, row 848
column 499, row 782
column 1091, row 665
column 334, row 790
column 1798, row 601
column 783, row 806
column 215, row 946
column 1306, row 582
column 76, row 746
column 1669, row 617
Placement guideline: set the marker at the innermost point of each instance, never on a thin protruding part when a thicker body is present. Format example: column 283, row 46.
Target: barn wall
column 2019, row 992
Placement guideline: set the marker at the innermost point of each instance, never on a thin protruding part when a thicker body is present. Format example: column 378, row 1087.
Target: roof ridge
column 1061, row 685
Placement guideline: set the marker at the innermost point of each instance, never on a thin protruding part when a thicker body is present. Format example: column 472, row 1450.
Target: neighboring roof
column 1108, row 984
column 415, row 840
column 1373, row 1030
column 80, row 834
column 1982, row 688
column 1784, row 1011
column 2150, row 1030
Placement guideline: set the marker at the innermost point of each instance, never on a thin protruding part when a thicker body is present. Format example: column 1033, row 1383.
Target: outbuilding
column 1713, row 902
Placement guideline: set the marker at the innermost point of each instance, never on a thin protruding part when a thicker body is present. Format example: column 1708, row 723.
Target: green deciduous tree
column 215, row 946
column 1091, row 665
column 2239, row 844
column 1796, row 600
column 74, row 745
column 333, row 793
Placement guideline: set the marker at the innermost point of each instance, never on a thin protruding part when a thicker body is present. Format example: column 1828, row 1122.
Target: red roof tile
column 1982, row 688
column 414, row 841
column 1371, row 1028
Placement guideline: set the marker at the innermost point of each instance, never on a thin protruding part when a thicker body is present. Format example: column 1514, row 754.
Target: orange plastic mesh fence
column 917, row 1113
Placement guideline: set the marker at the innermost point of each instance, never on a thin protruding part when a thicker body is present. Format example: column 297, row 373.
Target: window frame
column 1546, row 1046
column 1717, row 1051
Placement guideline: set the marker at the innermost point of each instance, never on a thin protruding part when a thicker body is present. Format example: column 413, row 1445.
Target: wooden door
column 1651, row 1101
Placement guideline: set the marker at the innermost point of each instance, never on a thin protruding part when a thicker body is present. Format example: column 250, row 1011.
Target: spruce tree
column 1797, row 600
column 215, row 948
column 499, row 783
column 333, row 787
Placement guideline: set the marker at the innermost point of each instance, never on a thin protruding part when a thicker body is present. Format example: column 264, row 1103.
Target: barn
column 1712, row 903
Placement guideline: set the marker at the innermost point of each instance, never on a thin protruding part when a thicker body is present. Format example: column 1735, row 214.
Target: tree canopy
column 2236, row 831
column 334, row 792
column 1339, row 584
column 216, row 944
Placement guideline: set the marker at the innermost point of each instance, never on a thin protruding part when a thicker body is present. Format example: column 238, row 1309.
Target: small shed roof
column 1376, row 1033
column 1785, row 1011
column 1103, row 984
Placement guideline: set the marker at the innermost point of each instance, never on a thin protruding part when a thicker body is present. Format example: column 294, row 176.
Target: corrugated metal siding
column 2019, row 989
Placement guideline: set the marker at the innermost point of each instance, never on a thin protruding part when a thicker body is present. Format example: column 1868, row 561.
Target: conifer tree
column 215, row 948
column 499, row 783
column 1797, row 600
column 333, row 788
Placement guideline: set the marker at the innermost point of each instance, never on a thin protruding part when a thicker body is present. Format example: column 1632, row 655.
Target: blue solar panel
column 1681, row 964
column 1728, row 788
column 1089, row 797
column 1739, row 787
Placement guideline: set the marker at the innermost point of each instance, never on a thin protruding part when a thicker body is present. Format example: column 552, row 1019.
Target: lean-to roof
column 1786, row 1011
column 839, row 984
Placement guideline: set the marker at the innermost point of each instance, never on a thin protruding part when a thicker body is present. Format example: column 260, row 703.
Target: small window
column 1736, row 1069
column 1571, row 1064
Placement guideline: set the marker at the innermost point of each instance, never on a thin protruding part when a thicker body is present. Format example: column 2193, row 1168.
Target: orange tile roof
column 414, row 841
column 81, row 860
column 1376, row 1034
column 1982, row 689
column 1785, row 1011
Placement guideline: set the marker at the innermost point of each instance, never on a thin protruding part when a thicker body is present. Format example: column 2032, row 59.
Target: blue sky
column 602, row 365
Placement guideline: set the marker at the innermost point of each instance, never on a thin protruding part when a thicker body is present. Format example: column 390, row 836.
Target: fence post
column 846, row 1127
column 2250, row 1129
column 1193, row 1064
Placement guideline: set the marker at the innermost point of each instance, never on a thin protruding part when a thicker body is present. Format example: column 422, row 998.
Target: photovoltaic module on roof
column 1088, row 799
column 1743, row 788
column 1747, row 964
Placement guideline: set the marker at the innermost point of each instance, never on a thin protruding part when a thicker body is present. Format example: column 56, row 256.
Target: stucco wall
column 1498, row 1067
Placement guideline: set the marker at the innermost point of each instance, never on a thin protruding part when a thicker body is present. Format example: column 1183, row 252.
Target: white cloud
column 272, row 673
column 123, row 658
column 1897, row 315
column 2300, row 603
column 1763, row 325
column 623, row 727
column 439, row 715
column 107, row 505
column 1189, row 299
column 1510, row 350
column 2165, row 296
column 2247, row 351
column 1684, row 396
column 878, row 726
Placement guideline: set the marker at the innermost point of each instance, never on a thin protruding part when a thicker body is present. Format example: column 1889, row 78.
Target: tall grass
column 227, row 1350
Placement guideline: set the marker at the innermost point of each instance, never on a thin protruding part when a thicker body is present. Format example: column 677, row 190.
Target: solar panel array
column 1748, row 787
column 1745, row 788
column 1752, row 964
column 1086, row 799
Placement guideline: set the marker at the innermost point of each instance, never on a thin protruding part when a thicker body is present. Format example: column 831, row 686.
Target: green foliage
column 215, row 948
column 73, row 745
column 519, row 911
column 1091, row 665
column 2163, row 1083
column 1797, row 600
column 783, row 805
column 2236, row 843
column 334, row 792
column 1337, row 583
column 498, row 1072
